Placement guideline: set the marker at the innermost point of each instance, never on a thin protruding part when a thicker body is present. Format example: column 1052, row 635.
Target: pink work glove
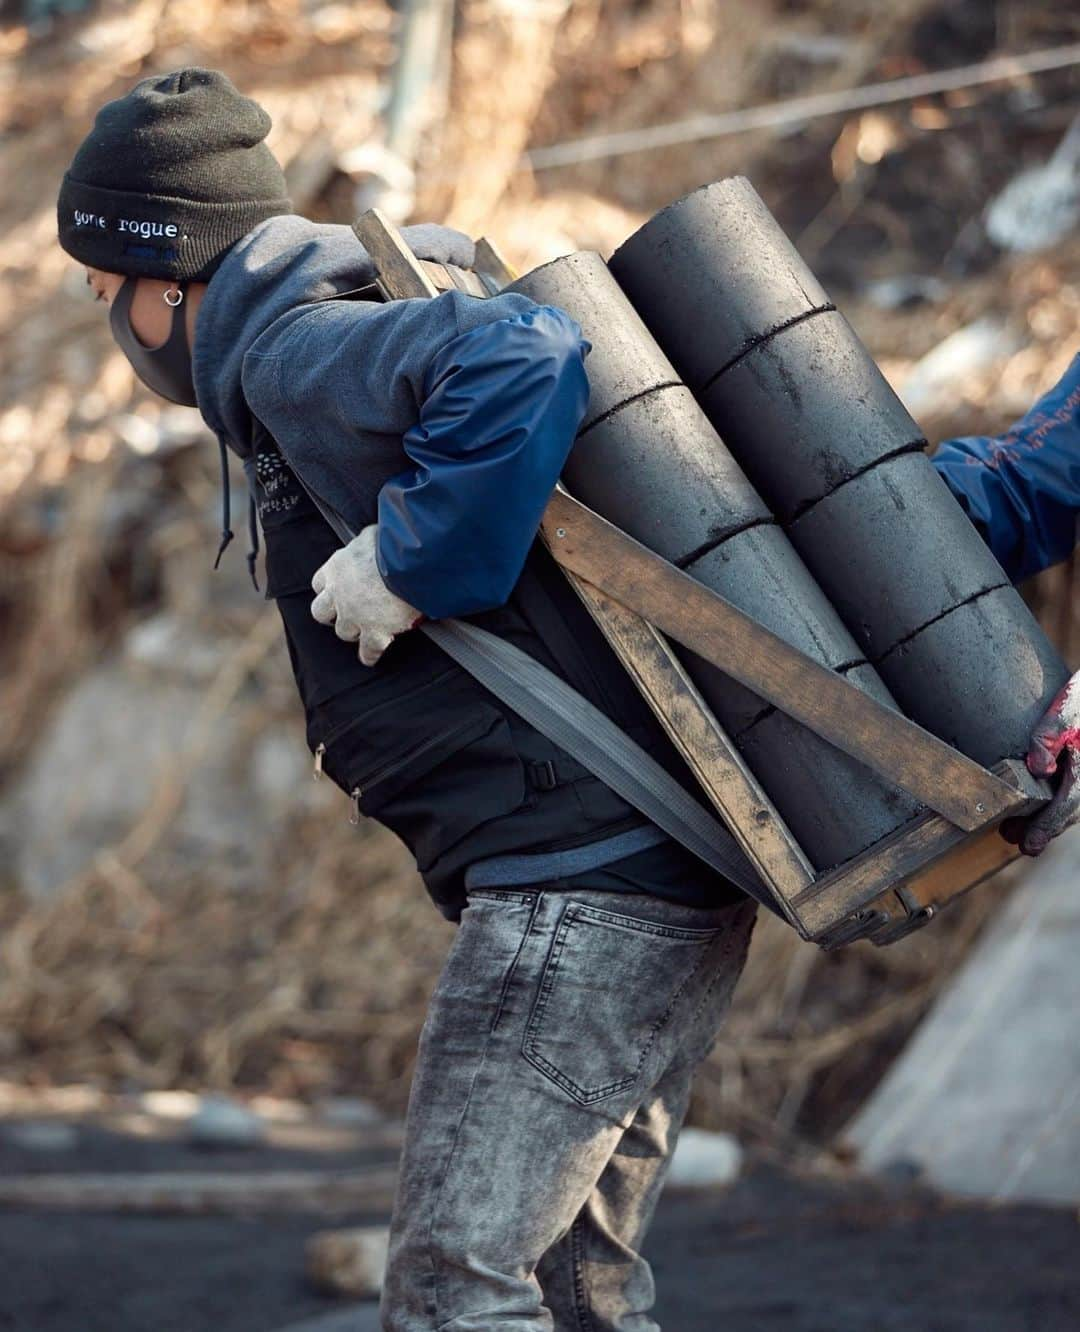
column 1055, row 748
column 354, row 599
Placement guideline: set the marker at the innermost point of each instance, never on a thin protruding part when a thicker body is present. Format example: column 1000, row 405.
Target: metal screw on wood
column 560, row 531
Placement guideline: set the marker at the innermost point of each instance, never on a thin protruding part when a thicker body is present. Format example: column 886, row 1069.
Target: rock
column 280, row 771
column 983, row 1100
column 111, row 744
column 165, row 646
column 280, row 1110
column 124, row 734
column 1035, row 211
column 43, row 1135
column 311, row 169
column 347, row 1262
column 905, row 291
column 902, row 1171
column 936, row 381
column 170, row 1104
column 350, row 1112
column 221, row 1122
column 384, row 179
column 179, row 428
column 704, row 1160
column 1040, row 206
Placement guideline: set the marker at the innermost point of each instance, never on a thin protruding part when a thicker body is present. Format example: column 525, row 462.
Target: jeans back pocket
column 610, row 985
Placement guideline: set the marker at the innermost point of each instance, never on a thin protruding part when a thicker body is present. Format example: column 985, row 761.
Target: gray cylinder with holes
column 799, row 402
column 647, row 459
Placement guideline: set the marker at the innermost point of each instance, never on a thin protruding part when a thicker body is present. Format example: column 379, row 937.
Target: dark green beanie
column 170, row 177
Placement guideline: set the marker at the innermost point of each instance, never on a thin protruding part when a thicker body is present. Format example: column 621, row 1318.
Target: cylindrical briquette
column 687, row 494
column 625, row 361
column 806, row 411
column 980, row 677
column 859, row 540
column 758, row 571
column 711, row 274
column 817, row 787
column 760, row 565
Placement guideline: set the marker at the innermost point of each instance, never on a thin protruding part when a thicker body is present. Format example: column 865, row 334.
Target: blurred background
column 182, row 909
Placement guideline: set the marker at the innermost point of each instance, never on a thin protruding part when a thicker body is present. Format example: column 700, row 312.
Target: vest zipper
column 320, row 750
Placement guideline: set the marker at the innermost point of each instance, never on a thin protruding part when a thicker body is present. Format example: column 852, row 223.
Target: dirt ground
column 780, row 1250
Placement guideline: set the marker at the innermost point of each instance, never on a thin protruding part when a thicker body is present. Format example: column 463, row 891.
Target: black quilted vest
column 422, row 747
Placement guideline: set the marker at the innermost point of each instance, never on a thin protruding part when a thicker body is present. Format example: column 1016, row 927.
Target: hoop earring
column 173, row 291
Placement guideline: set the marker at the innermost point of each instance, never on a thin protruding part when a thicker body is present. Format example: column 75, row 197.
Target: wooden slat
column 933, row 884
column 930, row 856
column 401, row 275
column 448, row 277
column 962, row 869
column 754, row 821
column 946, row 878
column 489, row 259
column 887, row 742
column 865, row 877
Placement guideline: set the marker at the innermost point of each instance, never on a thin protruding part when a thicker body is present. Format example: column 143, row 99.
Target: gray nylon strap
column 568, row 719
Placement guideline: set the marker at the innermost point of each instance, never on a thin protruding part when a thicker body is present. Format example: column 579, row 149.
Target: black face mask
column 165, row 369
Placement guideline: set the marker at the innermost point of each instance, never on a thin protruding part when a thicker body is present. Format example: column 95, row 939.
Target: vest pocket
column 431, row 784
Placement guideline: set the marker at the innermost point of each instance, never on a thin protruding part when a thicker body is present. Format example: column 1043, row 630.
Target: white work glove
column 354, row 599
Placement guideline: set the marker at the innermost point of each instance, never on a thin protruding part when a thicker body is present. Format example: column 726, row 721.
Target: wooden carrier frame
column 640, row 601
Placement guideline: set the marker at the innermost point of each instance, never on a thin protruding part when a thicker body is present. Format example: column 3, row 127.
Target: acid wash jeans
column 552, row 1078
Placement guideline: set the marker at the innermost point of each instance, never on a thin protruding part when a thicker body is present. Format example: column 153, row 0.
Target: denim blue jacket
column 449, row 419
column 1022, row 489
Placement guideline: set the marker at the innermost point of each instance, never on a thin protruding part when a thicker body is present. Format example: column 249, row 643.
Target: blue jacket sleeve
column 1022, row 490
column 500, row 407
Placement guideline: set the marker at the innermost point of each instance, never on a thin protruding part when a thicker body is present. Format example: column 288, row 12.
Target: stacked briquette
column 648, row 460
column 797, row 399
